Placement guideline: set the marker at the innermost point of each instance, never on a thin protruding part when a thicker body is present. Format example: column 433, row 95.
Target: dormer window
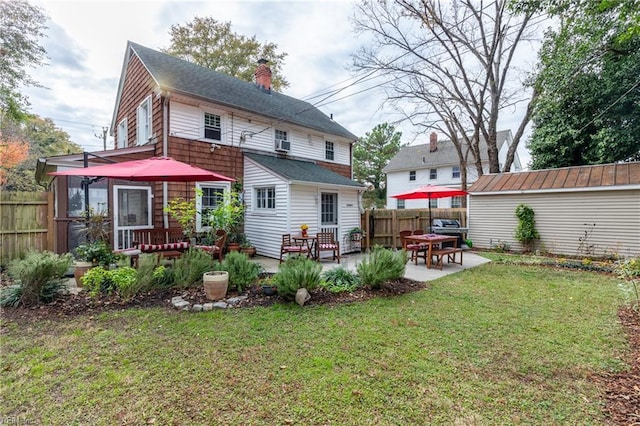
column 212, row 127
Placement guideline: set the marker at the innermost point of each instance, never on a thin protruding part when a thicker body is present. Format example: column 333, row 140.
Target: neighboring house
column 437, row 163
column 292, row 162
column 585, row 211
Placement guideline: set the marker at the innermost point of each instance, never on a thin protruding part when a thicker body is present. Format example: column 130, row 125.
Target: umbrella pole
column 429, row 201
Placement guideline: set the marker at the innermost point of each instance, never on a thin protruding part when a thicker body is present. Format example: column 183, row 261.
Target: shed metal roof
column 578, row 177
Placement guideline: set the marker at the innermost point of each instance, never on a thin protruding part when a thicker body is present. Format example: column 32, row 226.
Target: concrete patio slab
column 417, row 272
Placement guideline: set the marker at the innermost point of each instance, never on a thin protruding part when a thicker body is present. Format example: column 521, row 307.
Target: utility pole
column 103, row 136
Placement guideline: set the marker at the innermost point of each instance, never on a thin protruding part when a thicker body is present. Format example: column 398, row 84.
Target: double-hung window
column 143, row 125
column 456, row 202
column 266, row 198
column 433, row 174
column 122, row 134
column 329, row 151
column 210, row 197
column 400, row 204
column 456, row 172
column 412, row 175
column 212, row 127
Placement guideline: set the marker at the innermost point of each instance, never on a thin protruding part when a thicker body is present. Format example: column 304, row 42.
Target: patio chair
column 217, row 249
column 416, row 250
column 289, row 246
column 327, row 242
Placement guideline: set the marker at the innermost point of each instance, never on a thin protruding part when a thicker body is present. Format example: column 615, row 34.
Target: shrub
column 295, row 273
column 150, row 275
column 98, row 281
column 242, row 272
column 340, row 280
column 162, row 277
column 189, row 268
column 125, row 281
column 526, row 231
column 629, row 271
column 39, row 279
column 382, row 265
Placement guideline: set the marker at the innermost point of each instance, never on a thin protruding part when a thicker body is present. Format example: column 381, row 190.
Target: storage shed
column 579, row 211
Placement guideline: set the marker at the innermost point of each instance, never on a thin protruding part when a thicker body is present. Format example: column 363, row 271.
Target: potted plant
column 228, row 215
column 89, row 255
column 356, row 234
column 184, row 212
column 247, row 248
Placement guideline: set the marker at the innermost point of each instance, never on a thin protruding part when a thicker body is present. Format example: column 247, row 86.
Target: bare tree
column 449, row 67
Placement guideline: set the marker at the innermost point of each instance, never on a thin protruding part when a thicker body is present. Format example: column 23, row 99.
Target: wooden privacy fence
column 386, row 224
column 26, row 223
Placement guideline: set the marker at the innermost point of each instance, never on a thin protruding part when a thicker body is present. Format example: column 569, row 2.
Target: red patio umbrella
column 429, row 192
column 148, row 170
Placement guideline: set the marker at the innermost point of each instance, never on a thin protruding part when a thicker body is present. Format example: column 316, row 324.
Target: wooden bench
column 449, row 252
column 159, row 239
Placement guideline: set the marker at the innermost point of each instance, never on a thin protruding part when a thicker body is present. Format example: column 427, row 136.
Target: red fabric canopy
column 430, row 191
column 148, row 170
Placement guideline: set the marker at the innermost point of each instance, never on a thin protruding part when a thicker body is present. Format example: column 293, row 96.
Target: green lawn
column 497, row 344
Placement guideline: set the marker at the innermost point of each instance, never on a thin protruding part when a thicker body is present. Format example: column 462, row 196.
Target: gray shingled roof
column 177, row 75
column 411, row 157
column 301, row 171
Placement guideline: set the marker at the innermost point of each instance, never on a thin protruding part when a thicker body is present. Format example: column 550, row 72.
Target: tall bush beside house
column 526, row 231
column 39, row 279
column 382, row 265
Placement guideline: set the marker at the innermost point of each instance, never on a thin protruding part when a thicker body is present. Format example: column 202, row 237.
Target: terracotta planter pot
column 233, row 246
column 79, row 269
column 215, row 284
column 249, row 251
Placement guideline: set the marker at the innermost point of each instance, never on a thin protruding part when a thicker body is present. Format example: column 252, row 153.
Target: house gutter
column 559, row 190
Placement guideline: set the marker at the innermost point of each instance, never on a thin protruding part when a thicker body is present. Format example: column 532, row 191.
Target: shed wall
column 581, row 223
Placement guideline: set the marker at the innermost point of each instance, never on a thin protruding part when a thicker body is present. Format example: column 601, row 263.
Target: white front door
column 132, row 210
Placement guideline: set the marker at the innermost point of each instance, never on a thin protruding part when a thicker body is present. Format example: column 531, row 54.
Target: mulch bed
column 622, row 390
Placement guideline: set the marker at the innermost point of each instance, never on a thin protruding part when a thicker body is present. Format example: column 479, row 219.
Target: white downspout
column 165, row 152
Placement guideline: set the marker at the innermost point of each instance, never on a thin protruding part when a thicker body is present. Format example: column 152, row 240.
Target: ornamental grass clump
column 189, row 268
column 39, row 279
column 242, row 272
column 340, row 280
column 629, row 271
column 295, row 273
column 382, row 265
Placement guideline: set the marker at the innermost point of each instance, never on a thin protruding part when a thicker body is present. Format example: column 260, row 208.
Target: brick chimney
column 433, row 142
column 263, row 75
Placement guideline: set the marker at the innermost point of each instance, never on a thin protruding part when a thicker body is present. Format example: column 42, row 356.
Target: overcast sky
column 86, row 41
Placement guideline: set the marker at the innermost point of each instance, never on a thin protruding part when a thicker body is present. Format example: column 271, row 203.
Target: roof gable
column 180, row 76
column 597, row 176
column 301, row 171
column 420, row 157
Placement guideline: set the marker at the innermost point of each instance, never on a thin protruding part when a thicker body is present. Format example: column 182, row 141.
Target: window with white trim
column 400, row 204
column 455, row 172
column 433, row 174
column 143, row 125
column 122, row 134
column 265, row 198
column 329, row 153
column 433, row 203
column 456, row 202
column 212, row 126
column 412, row 175
column 212, row 195
column 281, row 134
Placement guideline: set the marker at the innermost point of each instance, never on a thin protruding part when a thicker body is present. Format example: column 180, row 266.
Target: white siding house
column 579, row 211
column 436, row 163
